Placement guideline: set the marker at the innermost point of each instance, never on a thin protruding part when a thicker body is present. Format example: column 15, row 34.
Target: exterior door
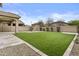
column 58, row 29
column 52, row 29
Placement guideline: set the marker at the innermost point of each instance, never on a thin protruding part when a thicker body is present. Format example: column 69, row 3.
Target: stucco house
column 35, row 27
column 9, row 22
column 53, row 26
column 59, row 23
column 58, row 26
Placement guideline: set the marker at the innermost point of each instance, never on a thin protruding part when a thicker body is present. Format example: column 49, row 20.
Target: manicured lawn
column 51, row 43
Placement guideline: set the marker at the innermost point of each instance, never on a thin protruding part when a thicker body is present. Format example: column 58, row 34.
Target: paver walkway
column 12, row 46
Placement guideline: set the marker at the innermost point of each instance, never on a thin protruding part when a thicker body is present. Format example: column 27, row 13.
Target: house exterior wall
column 23, row 28
column 7, row 18
column 5, row 28
column 36, row 28
column 54, row 29
column 66, row 28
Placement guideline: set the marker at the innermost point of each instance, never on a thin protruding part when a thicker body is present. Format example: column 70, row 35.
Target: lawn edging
column 33, row 48
column 68, row 50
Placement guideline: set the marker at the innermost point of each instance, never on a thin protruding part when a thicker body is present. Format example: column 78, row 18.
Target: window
column 40, row 29
column 9, row 24
column 21, row 24
column 47, row 29
column 51, row 29
column 58, row 29
column 14, row 24
column 43, row 29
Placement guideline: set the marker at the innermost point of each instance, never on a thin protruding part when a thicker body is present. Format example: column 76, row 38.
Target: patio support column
column 50, row 29
column 45, row 28
column 11, row 27
column 2, row 26
column 16, row 25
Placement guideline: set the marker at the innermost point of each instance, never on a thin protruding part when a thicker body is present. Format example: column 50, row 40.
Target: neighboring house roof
column 60, row 22
column 9, row 14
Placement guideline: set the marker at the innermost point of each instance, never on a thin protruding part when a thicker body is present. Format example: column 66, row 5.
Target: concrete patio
column 13, row 46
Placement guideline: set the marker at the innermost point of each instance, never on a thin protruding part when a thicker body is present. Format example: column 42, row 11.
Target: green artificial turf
column 51, row 43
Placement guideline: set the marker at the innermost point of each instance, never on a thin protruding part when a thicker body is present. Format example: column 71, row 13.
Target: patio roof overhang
column 8, row 17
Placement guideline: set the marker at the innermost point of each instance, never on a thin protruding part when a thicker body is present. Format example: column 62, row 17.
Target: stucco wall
column 54, row 29
column 5, row 28
column 20, row 28
column 68, row 28
column 36, row 28
column 23, row 28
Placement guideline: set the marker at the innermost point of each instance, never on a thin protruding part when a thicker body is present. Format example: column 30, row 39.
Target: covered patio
column 6, row 19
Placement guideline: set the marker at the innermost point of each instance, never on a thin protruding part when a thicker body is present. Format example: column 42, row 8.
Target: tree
column 60, row 22
column 76, row 23
column 41, row 23
column 31, row 28
column 49, row 21
column 0, row 4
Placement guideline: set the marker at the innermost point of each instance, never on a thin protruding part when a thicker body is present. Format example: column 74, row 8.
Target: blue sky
column 31, row 13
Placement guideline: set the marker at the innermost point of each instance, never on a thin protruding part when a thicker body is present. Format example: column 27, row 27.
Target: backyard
column 51, row 43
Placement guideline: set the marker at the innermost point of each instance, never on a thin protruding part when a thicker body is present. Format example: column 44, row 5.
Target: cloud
column 56, row 16
column 66, row 16
column 30, row 19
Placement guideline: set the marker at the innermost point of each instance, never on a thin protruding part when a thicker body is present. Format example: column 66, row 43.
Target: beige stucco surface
column 10, row 18
column 69, row 29
column 65, row 28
